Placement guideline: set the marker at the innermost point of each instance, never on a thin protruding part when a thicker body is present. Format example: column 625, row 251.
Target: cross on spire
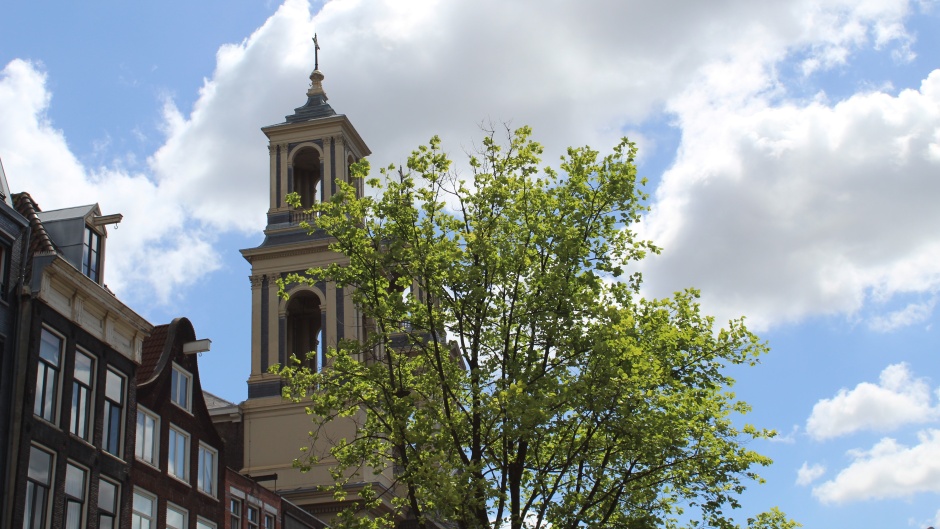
column 316, row 53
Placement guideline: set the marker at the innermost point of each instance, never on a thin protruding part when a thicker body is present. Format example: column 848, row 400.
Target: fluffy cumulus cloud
column 149, row 242
column 807, row 473
column 774, row 208
column 888, row 470
column 785, row 211
column 898, row 399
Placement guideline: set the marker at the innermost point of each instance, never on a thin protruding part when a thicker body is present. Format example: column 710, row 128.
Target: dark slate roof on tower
column 316, row 106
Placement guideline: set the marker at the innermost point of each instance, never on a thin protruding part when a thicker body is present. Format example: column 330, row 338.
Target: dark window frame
column 108, row 514
column 46, row 396
column 91, row 254
column 80, row 419
column 37, row 492
column 112, row 433
column 76, row 502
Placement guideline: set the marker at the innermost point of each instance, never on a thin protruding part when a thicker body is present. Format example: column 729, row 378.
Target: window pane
column 35, row 506
column 50, row 348
column 73, row 515
column 37, row 488
column 143, row 505
column 146, row 437
column 206, row 470
column 112, row 432
column 179, row 388
column 107, row 496
column 47, row 376
column 40, row 465
column 179, row 446
column 115, row 387
column 75, row 482
column 83, row 365
column 175, row 519
column 80, row 410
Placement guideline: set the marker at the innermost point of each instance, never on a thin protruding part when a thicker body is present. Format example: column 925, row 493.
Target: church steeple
column 309, row 154
column 316, row 105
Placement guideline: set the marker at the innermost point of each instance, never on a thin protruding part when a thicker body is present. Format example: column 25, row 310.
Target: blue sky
column 792, row 148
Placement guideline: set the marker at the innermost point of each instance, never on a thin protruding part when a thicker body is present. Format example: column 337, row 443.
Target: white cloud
column 809, row 473
column 888, row 470
column 912, row 314
column 897, row 399
column 780, row 212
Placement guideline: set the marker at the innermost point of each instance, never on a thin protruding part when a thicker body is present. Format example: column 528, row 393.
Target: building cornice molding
column 262, row 254
column 90, row 306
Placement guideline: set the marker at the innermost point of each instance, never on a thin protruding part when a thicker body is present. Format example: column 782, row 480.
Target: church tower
column 309, row 153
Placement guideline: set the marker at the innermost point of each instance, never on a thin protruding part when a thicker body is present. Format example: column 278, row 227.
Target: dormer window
column 91, row 255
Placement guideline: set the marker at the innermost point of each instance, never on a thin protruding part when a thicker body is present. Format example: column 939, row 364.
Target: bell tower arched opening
column 308, row 181
column 304, row 315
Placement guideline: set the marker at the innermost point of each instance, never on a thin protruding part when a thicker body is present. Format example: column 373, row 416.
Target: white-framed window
column 75, row 497
column 178, row 454
column 83, row 379
column 107, row 504
column 202, row 523
column 268, row 521
column 208, row 465
column 252, row 517
column 113, row 412
column 47, row 375
column 235, row 513
column 181, row 388
column 38, row 485
column 176, row 517
column 147, row 447
column 144, row 514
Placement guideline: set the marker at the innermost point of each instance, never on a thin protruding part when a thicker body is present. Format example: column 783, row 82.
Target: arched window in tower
column 305, row 328
column 307, row 177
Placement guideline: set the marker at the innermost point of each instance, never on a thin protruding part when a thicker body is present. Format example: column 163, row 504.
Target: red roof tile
column 152, row 351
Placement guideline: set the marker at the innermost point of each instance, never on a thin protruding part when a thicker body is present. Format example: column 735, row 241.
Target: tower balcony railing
column 299, row 215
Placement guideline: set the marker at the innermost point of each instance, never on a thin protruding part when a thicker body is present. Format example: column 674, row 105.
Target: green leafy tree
column 512, row 375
